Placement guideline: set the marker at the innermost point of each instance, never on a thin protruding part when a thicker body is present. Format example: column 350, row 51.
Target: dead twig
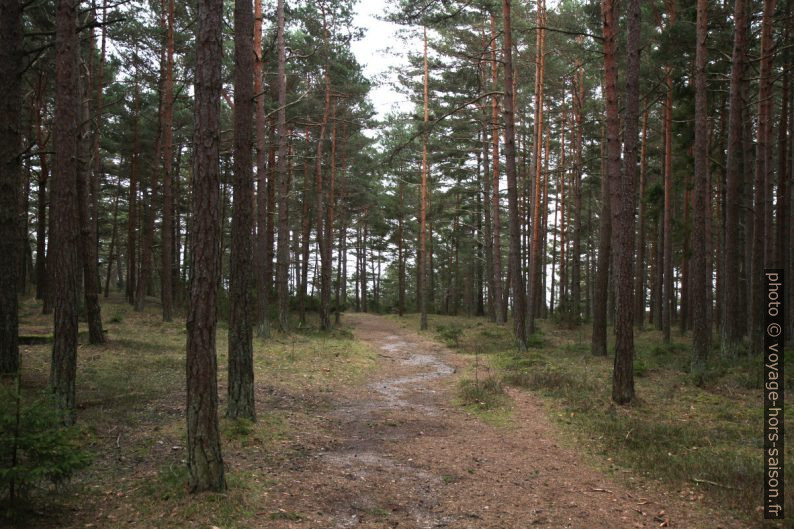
column 713, row 483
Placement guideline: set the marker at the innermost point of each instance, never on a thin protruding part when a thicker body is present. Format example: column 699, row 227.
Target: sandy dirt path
column 398, row 453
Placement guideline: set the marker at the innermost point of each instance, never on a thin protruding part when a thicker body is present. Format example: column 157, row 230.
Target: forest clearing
column 416, row 264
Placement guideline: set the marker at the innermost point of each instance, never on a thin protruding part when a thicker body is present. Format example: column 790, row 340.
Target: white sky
column 378, row 51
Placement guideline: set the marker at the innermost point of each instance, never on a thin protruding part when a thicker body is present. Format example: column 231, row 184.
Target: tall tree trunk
column 422, row 266
column 781, row 257
column 639, row 277
column 623, row 188
column 575, row 303
column 533, row 278
column 667, row 268
column 496, row 222
column 487, row 231
column 599, row 338
column 10, row 166
column 306, row 228
column 88, row 235
column 41, row 192
column 364, row 264
column 282, row 250
column 320, row 192
column 563, row 298
column 762, row 233
column 262, row 288
column 144, row 285
column 113, row 236
column 167, row 118
column 517, row 280
column 65, row 228
column 683, row 320
column 204, row 459
column 400, row 249
column 701, row 339
column 326, row 270
column 701, row 279
column 784, row 231
column 241, row 303
column 132, row 212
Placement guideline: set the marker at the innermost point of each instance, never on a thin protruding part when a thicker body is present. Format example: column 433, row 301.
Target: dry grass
column 130, row 397
column 675, row 433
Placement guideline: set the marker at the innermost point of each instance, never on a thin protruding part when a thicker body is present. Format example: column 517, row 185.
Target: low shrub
column 35, row 448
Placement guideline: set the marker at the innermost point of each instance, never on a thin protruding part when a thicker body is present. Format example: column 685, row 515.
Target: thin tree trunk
column 88, row 235
column 422, row 266
column 306, row 228
column 762, row 233
column 496, row 222
column 113, row 237
column 561, row 299
column 575, row 303
column 132, row 213
column 41, row 194
column 639, row 277
column 282, row 250
column 400, row 251
column 683, row 320
column 701, row 339
column 241, row 304
column 667, row 269
column 262, row 324
column 166, row 285
column 144, row 285
column 320, row 192
column 517, row 281
column 326, row 270
column 534, row 261
column 599, row 338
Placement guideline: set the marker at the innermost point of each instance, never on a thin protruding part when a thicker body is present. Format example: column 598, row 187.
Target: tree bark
column 132, row 212
column 113, row 236
column 623, row 188
column 306, row 228
column 10, row 182
column 639, row 276
column 701, row 339
column 533, row 278
column 575, row 303
column 241, row 304
column 167, row 120
column 667, row 267
column 88, row 234
column 762, row 233
column 65, row 228
column 262, row 289
column 205, row 462
column 282, row 249
column 599, row 338
column 517, row 280
column 422, row 266
column 320, row 192
column 326, row 269
column 42, row 279
column 496, row 220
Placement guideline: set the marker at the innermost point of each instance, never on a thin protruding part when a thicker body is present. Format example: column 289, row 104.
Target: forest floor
column 375, row 425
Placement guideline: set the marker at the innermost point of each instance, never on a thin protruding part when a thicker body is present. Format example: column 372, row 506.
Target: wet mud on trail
column 396, row 452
